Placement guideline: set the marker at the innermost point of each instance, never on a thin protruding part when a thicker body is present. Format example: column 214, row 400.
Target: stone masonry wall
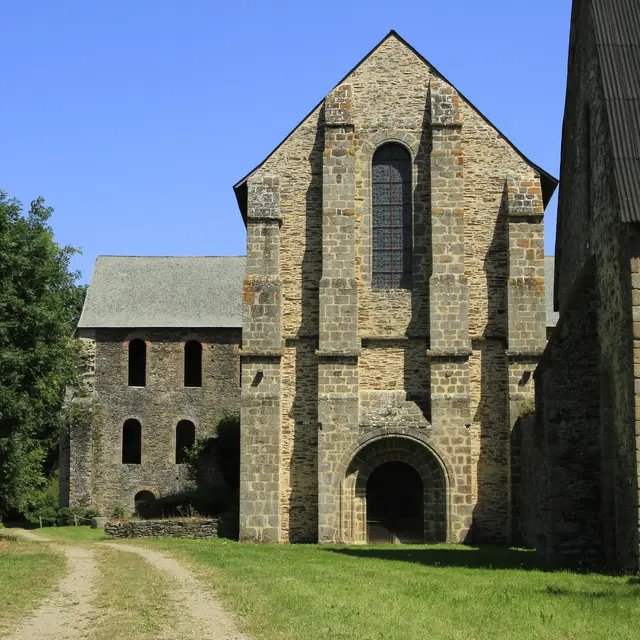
column 391, row 351
column 569, row 381
column 593, row 242
column 158, row 406
column 192, row 528
column 76, row 440
column 260, row 434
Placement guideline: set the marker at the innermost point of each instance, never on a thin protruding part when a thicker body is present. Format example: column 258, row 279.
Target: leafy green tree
column 39, row 307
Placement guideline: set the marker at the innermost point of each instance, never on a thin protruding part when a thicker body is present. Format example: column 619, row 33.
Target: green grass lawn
column 404, row 593
column 132, row 597
column 76, row 534
column 28, row 573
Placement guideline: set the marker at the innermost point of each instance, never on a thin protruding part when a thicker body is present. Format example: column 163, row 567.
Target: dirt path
column 206, row 619
column 69, row 612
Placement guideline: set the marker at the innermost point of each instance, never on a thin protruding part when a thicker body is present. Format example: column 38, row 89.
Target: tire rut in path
column 69, row 612
column 213, row 621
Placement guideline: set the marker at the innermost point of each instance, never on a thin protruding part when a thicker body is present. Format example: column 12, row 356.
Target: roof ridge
column 393, row 33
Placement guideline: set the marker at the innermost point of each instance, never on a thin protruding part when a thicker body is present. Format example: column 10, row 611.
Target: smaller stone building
column 159, row 338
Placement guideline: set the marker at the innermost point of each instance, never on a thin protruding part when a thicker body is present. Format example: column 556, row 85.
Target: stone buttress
column 261, row 354
column 450, row 346
column 338, row 389
column 526, row 309
column 76, row 445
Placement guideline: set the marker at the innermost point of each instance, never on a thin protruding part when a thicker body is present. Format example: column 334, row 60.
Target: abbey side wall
column 97, row 477
column 329, row 363
column 588, row 409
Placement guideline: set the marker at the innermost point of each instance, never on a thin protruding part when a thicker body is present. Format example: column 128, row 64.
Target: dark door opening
column 143, row 502
column 395, row 505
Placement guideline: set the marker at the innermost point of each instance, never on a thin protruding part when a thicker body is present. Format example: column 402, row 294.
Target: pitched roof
column 159, row 292
column 549, row 268
column 617, row 31
column 549, row 183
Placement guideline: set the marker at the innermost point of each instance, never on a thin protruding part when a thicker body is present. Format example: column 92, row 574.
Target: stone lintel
column 259, row 353
column 338, row 353
column 399, row 338
column 445, row 354
column 446, row 125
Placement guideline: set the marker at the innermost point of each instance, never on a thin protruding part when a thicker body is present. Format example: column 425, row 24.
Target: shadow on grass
column 634, row 592
column 445, row 557
column 485, row 557
column 22, row 524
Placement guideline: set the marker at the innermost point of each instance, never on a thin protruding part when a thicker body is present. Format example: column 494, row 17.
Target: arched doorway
column 143, row 502
column 395, row 504
column 395, row 490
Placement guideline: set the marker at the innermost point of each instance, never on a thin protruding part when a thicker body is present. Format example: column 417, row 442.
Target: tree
column 39, row 307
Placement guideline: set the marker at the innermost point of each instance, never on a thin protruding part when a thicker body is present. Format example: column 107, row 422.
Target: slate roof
column 549, row 268
column 179, row 292
column 163, row 292
column 617, row 30
column 548, row 182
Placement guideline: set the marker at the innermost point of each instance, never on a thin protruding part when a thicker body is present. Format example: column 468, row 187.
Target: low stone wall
column 188, row 528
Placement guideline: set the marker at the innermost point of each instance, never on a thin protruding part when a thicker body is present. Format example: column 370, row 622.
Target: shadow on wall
column 417, row 382
column 303, row 497
column 215, row 468
column 490, row 520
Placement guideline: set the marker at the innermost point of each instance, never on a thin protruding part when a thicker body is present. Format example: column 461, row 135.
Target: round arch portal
column 395, row 490
column 143, row 501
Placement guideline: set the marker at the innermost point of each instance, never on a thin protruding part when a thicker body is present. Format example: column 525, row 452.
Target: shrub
column 221, row 449
column 45, row 509
column 118, row 511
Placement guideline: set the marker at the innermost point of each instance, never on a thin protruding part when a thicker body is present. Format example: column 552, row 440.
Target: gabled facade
column 394, row 309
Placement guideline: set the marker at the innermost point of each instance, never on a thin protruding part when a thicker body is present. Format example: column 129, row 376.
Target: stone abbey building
column 379, row 338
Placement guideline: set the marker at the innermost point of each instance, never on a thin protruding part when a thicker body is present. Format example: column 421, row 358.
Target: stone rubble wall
column 92, row 470
column 188, row 528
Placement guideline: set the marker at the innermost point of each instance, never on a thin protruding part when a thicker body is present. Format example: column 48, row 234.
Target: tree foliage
column 39, row 307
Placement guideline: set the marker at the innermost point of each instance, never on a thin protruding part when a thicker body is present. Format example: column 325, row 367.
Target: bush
column 45, row 509
column 67, row 516
column 118, row 511
column 221, row 449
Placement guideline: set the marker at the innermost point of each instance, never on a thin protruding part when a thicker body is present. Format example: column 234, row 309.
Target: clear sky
column 134, row 119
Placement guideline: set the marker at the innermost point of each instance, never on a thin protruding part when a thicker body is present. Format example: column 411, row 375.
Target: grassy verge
column 28, row 573
column 132, row 598
column 406, row 593
column 75, row 534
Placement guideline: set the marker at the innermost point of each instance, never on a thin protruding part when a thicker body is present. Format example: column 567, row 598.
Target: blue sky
column 134, row 119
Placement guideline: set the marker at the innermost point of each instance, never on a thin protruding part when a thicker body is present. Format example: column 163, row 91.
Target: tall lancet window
column 392, row 243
